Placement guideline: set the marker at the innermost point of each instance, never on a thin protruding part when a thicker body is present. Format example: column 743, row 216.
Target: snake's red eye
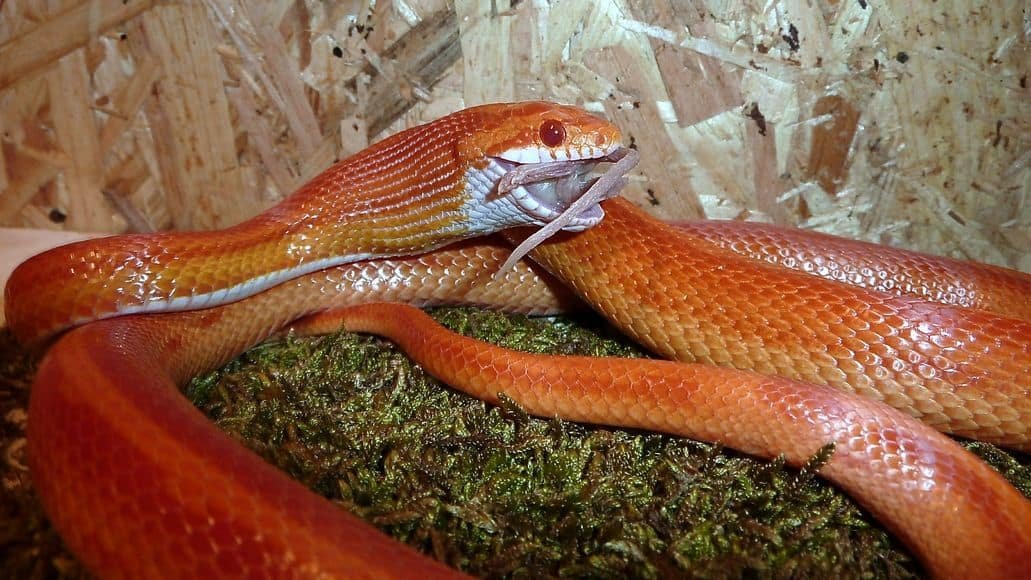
column 552, row 133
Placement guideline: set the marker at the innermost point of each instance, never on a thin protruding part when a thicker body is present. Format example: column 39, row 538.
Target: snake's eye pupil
column 552, row 133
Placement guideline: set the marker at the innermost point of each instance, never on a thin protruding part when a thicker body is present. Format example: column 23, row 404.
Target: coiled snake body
column 160, row 492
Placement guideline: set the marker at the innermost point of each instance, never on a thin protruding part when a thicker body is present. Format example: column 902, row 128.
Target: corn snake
column 181, row 345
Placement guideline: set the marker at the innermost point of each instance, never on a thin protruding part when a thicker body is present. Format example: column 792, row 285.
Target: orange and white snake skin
column 160, row 492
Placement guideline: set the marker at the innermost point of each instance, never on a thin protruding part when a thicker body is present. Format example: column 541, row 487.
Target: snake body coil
column 140, row 484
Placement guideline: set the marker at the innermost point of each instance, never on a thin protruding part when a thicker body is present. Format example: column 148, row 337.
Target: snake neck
column 400, row 197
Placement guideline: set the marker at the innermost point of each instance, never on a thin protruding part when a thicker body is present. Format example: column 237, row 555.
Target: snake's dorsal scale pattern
column 964, row 371
column 1003, row 291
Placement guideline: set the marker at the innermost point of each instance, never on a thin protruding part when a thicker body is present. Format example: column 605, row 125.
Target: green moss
column 498, row 493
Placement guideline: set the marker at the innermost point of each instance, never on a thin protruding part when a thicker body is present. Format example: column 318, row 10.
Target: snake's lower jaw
column 586, row 219
column 557, row 194
column 572, row 191
column 546, row 191
column 506, row 194
column 546, row 200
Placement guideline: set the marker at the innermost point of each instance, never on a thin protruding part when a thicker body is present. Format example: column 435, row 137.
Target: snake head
column 529, row 162
column 540, row 132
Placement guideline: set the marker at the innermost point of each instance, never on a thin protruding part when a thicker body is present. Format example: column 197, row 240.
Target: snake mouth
column 546, row 191
column 555, row 192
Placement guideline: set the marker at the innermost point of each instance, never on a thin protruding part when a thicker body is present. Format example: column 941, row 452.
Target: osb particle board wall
column 898, row 122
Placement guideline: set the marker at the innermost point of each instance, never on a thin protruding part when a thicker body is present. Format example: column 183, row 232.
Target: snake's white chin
column 567, row 185
column 555, row 195
column 545, row 200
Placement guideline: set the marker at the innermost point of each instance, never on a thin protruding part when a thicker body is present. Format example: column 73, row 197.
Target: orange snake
column 162, row 492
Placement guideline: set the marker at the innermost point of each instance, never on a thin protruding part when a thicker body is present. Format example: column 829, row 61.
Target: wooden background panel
column 887, row 121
